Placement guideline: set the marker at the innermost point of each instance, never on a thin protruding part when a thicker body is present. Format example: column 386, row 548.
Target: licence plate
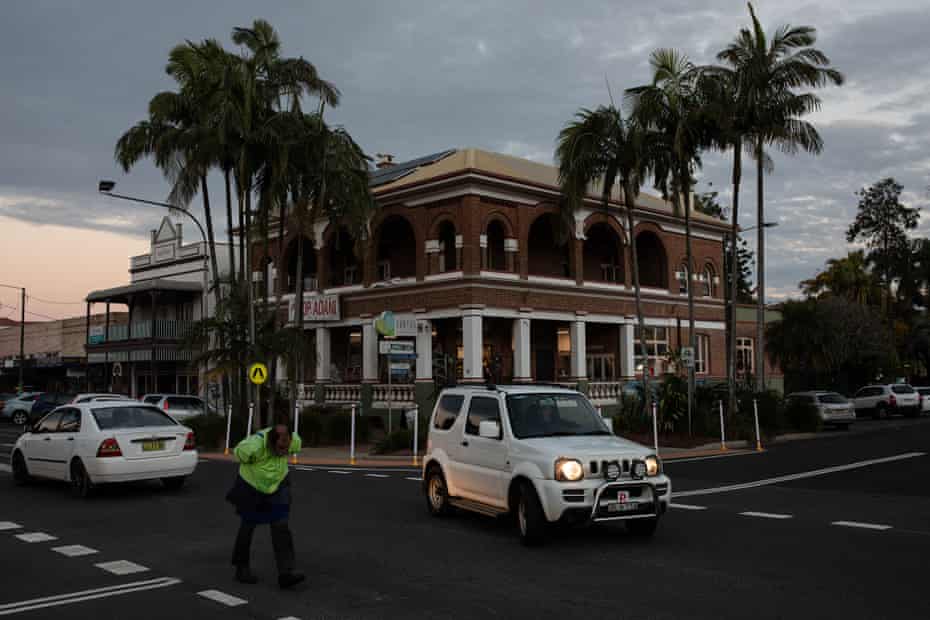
column 626, row 507
column 153, row 446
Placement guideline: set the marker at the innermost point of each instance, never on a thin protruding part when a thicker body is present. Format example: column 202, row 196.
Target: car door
column 37, row 447
column 483, row 460
column 61, row 447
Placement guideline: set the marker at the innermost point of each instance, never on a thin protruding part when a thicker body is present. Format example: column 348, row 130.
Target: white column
column 579, row 348
column 522, row 368
column 627, row 351
column 424, row 350
column 322, row 354
column 369, row 352
column 472, row 344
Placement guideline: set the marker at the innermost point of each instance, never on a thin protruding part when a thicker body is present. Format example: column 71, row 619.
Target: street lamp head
column 106, row 186
column 769, row 224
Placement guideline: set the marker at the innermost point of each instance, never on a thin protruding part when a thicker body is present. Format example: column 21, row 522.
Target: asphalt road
column 846, row 534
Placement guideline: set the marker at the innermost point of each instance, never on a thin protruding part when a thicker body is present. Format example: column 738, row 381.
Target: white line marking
column 221, row 597
column 766, row 515
column 806, row 474
column 354, row 469
column 689, row 507
column 415, row 479
column 377, row 476
column 338, row 471
column 865, row 526
column 5, row 468
column 122, row 567
column 34, row 537
column 74, row 551
column 9, row 525
column 289, row 618
column 672, row 461
column 86, row 595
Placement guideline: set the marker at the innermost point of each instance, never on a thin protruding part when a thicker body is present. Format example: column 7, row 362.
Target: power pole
column 22, row 336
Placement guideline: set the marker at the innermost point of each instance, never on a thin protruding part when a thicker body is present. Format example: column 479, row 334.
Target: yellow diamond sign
column 258, row 373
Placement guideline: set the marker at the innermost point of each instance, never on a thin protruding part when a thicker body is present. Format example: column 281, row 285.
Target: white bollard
column 416, row 427
column 755, row 407
column 228, row 427
column 248, row 428
column 655, row 427
column 352, row 439
column 296, row 426
column 723, row 435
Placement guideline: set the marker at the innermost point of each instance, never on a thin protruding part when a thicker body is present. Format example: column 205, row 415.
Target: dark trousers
column 281, row 541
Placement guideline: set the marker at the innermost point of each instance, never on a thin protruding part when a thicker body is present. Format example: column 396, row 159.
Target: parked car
column 91, row 398
column 834, row 409
column 5, row 396
column 924, row 399
column 17, row 410
column 882, row 401
column 101, row 442
column 178, row 406
column 46, row 402
column 541, row 453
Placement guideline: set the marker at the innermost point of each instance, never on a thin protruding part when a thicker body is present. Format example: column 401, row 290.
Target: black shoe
column 244, row 575
column 289, row 580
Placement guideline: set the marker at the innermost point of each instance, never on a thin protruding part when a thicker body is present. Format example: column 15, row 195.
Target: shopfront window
column 656, row 348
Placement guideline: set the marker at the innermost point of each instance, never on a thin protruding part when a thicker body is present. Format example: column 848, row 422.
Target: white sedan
column 101, row 442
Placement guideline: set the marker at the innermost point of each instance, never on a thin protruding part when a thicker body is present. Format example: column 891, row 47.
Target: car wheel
column 437, row 494
column 20, row 471
column 81, row 485
column 20, row 418
column 175, row 483
column 530, row 518
column 644, row 528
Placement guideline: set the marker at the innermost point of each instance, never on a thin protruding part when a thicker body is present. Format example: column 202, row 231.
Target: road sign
column 117, row 369
column 687, row 357
column 397, row 348
column 258, row 373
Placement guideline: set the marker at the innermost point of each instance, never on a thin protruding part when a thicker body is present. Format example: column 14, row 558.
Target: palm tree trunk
column 760, row 275
column 692, row 337
column 629, row 200
column 211, row 242
column 734, row 277
column 231, row 225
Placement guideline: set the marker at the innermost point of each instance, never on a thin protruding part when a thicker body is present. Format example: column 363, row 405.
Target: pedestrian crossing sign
column 258, row 373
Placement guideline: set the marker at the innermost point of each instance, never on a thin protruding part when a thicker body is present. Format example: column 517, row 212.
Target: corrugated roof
column 143, row 287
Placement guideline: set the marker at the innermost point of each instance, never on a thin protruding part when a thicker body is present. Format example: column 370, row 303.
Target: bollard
column 723, row 435
column 352, row 439
column 248, row 428
column 416, row 426
column 755, row 408
column 655, row 427
column 228, row 427
column 296, row 427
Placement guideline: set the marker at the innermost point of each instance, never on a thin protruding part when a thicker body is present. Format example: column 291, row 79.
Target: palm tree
column 674, row 105
column 602, row 146
column 849, row 278
column 767, row 111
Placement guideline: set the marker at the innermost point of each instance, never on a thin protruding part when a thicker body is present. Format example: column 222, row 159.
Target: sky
column 419, row 77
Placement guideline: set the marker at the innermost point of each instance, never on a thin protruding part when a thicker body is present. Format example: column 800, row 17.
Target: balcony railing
column 401, row 394
column 342, row 393
column 605, row 391
column 142, row 330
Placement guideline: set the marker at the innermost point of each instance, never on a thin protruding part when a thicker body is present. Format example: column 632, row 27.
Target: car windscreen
column 832, row 398
column 130, row 416
column 902, row 389
column 924, row 391
column 182, row 402
column 151, row 400
column 553, row 415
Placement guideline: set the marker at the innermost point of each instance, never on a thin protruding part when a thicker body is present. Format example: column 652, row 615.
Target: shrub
column 402, row 439
column 209, row 430
column 771, row 418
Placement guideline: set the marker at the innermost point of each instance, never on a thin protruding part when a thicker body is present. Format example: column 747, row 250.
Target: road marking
column 354, row 469
column 122, row 567
column 799, row 476
column 289, row 618
column 415, row 479
column 377, row 476
column 672, row 460
column 221, row 597
column 74, row 551
column 338, row 471
column 688, row 507
column 865, row 526
column 9, row 525
column 766, row 515
column 34, row 537
column 85, row 595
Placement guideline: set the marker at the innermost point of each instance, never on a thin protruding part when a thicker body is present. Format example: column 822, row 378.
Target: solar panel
column 398, row 171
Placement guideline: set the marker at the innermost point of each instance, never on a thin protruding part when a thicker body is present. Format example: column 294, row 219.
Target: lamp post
column 22, row 331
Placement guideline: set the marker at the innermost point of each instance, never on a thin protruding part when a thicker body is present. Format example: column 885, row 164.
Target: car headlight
column 653, row 465
column 569, row 470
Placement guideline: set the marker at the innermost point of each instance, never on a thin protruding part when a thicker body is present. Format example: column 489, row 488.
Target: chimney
column 385, row 160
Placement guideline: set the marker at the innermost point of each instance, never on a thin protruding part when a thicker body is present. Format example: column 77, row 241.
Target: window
column 682, row 276
column 832, row 398
column 481, row 409
column 745, row 360
column 707, row 279
column 448, row 410
column 49, row 424
column 548, row 415
column 702, row 354
column 186, row 404
column 902, row 389
column 70, row 421
column 656, row 347
column 130, row 416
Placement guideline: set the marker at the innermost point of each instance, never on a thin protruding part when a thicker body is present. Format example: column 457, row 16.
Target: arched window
column 309, row 266
column 653, row 265
column 682, row 275
column 397, row 249
column 547, row 257
column 447, row 249
column 708, row 280
column 497, row 258
column 344, row 268
column 603, row 255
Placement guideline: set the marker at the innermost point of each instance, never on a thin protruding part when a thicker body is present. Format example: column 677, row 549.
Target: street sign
column 258, row 373
column 117, row 369
column 97, row 334
column 687, row 357
column 397, row 348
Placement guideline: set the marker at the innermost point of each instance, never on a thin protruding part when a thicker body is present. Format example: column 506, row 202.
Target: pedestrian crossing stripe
column 258, row 373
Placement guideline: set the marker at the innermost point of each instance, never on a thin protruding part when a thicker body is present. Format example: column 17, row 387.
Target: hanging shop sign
column 319, row 308
column 392, row 325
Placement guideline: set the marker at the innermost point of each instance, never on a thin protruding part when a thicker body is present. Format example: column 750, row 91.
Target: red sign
column 320, row 308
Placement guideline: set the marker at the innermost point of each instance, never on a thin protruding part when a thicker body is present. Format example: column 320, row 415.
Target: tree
column 744, row 293
column 882, row 223
column 762, row 74
column 849, row 278
column 601, row 146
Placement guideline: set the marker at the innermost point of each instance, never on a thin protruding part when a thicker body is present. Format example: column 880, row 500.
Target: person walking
column 262, row 494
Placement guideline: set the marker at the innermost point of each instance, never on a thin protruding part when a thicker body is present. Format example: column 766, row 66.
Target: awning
column 120, row 294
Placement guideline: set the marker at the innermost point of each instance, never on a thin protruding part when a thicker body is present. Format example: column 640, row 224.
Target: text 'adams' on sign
column 319, row 308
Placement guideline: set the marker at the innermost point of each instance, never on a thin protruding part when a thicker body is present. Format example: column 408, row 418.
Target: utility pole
column 22, row 336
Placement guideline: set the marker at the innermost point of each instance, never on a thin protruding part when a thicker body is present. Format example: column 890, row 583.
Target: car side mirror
column 489, row 429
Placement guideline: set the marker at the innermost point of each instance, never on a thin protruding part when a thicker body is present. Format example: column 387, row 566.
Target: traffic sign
column 687, row 357
column 258, row 373
column 397, row 347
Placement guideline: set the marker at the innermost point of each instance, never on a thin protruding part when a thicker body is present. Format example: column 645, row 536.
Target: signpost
column 96, row 335
column 687, row 357
column 258, row 373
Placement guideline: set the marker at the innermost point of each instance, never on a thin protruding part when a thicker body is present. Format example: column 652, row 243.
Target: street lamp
column 105, row 187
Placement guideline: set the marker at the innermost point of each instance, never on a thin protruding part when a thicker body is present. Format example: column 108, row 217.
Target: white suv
column 542, row 454
column 883, row 400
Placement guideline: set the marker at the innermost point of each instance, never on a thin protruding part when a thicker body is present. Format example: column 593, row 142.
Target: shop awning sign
column 319, row 308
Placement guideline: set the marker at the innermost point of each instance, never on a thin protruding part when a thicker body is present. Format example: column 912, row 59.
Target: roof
column 530, row 388
column 112, row 294
column 416, row 171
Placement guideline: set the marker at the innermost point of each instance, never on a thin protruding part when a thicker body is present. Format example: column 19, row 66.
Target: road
column 824, row 528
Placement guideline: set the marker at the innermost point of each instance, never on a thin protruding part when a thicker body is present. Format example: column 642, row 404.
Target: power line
column 44, row 316
column 59, row 303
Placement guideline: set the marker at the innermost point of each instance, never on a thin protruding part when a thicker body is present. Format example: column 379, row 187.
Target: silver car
column 834, row 409
column 17, row 410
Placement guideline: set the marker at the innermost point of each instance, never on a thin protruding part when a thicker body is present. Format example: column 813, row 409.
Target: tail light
column 165, row 405
column 189, row 444
column 109, row 447
column 893, row 401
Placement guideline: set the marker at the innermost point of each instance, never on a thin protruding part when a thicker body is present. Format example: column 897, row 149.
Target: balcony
column 142, row 330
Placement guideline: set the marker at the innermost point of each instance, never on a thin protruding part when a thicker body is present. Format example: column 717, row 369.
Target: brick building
column 469, row 250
